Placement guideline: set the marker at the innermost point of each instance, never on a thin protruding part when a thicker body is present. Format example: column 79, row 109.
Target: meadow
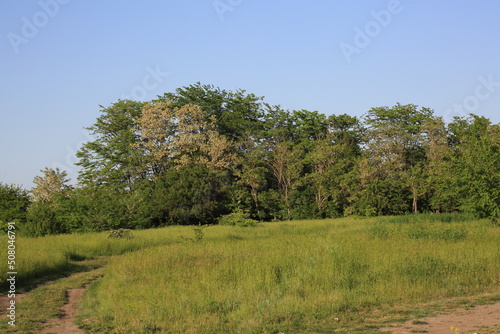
column 338, row 275
column 46, row 257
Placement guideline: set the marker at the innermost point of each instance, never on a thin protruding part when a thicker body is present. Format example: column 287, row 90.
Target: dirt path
column 5, row 302
column 65, row 324
column 482, row 319
column 62, row 325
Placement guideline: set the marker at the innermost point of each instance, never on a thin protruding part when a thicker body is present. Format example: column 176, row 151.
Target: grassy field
column 39, row 259
column 346, row 275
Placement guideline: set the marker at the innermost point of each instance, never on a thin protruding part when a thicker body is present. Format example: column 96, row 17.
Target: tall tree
column 344, row 137
column 396, row 133
column 322, row 157
column 416, row 180
column 235, row 113
column 252, row 172
column 394, row 153
column 181, row 136
column 284, row 155
column 286, row 166
column 477, row 164
column 309, row 125
column 439, row 168
column 111, row 158
column 156, row 129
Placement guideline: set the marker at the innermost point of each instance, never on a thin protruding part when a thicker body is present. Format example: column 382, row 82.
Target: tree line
column 201, row 153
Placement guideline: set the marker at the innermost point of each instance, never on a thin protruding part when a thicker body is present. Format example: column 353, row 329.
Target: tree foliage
column 200, row 153
column 14, row 202
column 44, row 214
column 180, row 136
column 111, row 159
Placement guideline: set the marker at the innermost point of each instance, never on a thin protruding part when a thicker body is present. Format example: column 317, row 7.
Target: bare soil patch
column 482, row 319
column 65, row 324
column 5, row 302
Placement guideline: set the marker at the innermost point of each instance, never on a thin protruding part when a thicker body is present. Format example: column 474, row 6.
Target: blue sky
column 61, row 59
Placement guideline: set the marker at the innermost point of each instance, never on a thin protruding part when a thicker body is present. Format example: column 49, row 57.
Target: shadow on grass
column 75, row 264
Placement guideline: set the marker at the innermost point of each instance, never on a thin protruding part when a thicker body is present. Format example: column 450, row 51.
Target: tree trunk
column 415, row 203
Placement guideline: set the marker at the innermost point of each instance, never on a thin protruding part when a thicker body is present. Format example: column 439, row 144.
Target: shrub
column 237, row 219
column 122, row 233
column 198, row 233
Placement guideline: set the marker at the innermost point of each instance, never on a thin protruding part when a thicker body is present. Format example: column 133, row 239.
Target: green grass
column 326, row 276
column 44, row 258
column 45, row 302
column 292, row 277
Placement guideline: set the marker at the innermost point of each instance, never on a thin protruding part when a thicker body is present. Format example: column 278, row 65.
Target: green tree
column 111, row 158
column 189, row 195
column 321, row 159
column 309, row 125
column 345, row 133
column 398, row 131
column 416, row 180
column 476, row 164
column 286, row 166
column 14, row 202
column 43, row 216
column 252, row 174
column 439, row 167
column 393, row 156
column 235, row 113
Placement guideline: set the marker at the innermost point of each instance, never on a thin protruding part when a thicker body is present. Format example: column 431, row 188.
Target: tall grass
column 291, row 276
column 44, row 256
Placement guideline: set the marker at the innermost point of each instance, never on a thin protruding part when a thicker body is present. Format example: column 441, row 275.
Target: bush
column 122, row 233
column 237, row 219
column 42, row 220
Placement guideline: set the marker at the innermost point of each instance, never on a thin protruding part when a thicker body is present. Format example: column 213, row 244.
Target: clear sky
column 61, row 59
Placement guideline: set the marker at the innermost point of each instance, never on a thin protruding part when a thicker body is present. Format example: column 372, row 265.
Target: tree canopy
column 196, row 154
